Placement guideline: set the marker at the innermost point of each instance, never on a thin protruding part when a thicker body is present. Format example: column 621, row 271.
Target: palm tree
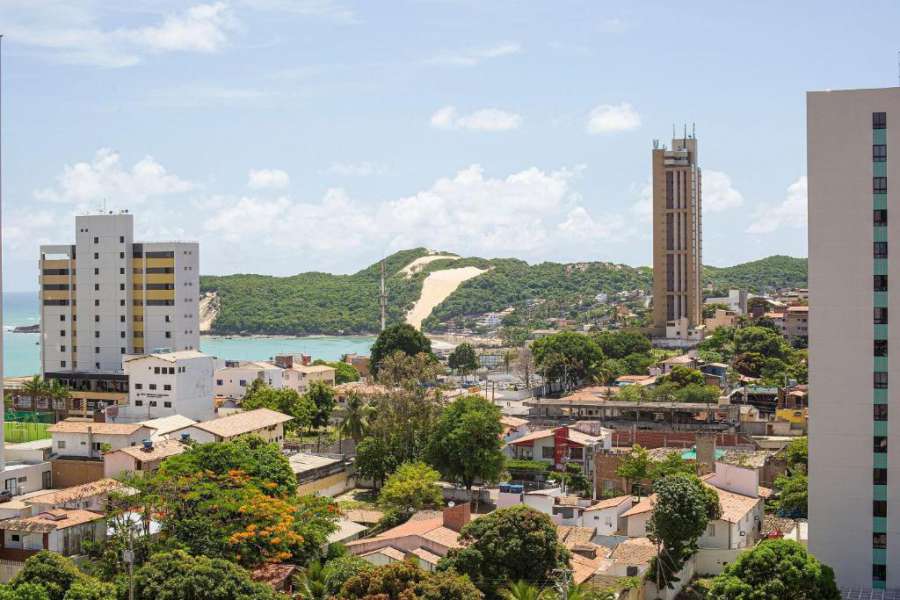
column 58, row 392
column 522, row 590
column 355, row 422
column 35, row 388
column 312, row 584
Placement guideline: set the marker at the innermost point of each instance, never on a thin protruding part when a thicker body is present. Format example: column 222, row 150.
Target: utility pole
column 383, row 297
column 563, row 583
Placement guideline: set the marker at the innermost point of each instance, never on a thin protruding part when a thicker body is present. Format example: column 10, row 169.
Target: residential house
column 169, row 383
column 235, row 377
column 721, row 318
column 168, row 427
column 89, row 496
column 428, row 537
column 560, row 446
column 88, row 439
column 320, row 475
column 604, row 516
column 63, row 531
column 140, row 460
column 796, row 326
column 268, row 424
column 358, row 362
column 301, row 377
column 513, row 428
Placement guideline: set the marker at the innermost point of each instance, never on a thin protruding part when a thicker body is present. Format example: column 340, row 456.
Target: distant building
column 722, row 318
column 268, row 424
column 796, row 323
column 736, row 300
column 301, row 377
column 170, row 383
column 140, row 460
column 235, row 377
column 677, row 237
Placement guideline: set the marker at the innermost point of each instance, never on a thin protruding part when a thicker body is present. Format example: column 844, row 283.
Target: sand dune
column 418, row 264
column 435, row 289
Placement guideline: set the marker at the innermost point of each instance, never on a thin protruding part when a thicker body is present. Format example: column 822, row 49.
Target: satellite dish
column 451, row 504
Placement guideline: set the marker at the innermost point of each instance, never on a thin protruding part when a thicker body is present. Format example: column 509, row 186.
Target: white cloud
column 790, row 212
column 611, row 118
column 206, row 96
column 259, row 179
column 474, row 56
column 360, row 169
column 642, row 209
column 105, row 179
column 718, row 193
column 485, row 119
column 73, row 35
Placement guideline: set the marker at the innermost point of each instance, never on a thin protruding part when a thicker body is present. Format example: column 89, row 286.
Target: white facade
column 233, row 381
column 106, row 296
column 606, row 519
column 300, row 377
column 90, row 442
column 171, row 383
column 854, row 486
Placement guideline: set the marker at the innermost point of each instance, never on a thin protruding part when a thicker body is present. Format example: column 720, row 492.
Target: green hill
column 321, row 303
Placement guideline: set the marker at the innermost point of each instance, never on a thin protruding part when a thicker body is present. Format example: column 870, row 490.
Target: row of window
column 881, row 283
column 881, row 380
column 152, row 386
column 879, row 185
column 153, row 403
column 121, row 239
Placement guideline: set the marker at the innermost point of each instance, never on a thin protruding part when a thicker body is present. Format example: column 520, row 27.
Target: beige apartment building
column 107, row 296
column 854, row 451
column 677, row 239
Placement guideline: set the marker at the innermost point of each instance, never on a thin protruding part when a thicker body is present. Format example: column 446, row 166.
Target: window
column 879, row 476
column 879, row 185
column 879, row 508
column 153, row 403
column 880, row 217
column 138, row 402
column 62, row 348
column 139, row 386
column 96, row 334
column 121, row 255
column 219, row 382
column 548, row 452
column 879, row 540
column 97, row 302
column 121, row 287
column 62, row 333
column 121, row 270
column 62, row 317
column 121, row 239
column 121, row 303
column 171, row 370
column 122, row 334
column 96, row 287
column 96, row 364
column 881, row 412
column 168, row 320
column 168, row 334
column 879, row 153
column 96, row 271
column 96, row 240
column 167, row 387
column 879, row 120
column 576, row 453
column 711, row 530
column 121, row 318
column 62, row 364
column 152, row 386
column 880, row 443
column 156, row 370
column 97, row 351
column 879, row 572
column 881, row 347
column 881, row 283
column 167, row 404
column 880, row 250
column 60, row 444
column 881, row 317
column 881, row 380
column 121, row 350
column 96, row 256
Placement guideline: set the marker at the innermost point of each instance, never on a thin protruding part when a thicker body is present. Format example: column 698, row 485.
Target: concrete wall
column 333, row 485
column 712, row 561
column 68, row 472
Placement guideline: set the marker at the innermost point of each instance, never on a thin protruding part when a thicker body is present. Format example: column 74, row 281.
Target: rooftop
column 302, row 462
column 51, row 520
column 243, row 422
column 171, row 356
column 78, row 492
column 71, row 426
column 158, row 451
column 610, row 503
column 634, row 551
column 164, row 425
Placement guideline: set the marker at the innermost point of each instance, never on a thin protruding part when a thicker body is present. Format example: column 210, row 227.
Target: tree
column 404, row 580
column 672, row 464
column 683, row 376
column 463, row 359
column 775, row 569
column 620, row 344
column 760, row 340
column 321, row 396
column 355, row 420
column 262, row 462
column 681, row 511
column 285, row 400
column 635, row 467
column 698, row 394
column 404, row 419
column 177, row 575
column 35, row 388
column 52, row 571
column 522, row 590
column 312, row 583
column 793, row 494
column 709, row 310
column 403, row 338
column 567, row 357
column 509, row 544
column 466, row 445
column 399, row 369
column 412, row 487
column 26, row 591
column 509, row 356
column 373, row 460
column 91, row 589
column 339, row 570
column 343, row 372
column 796, row 454
column 524, row 366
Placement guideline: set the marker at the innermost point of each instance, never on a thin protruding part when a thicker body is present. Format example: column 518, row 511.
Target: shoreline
column 282, row 336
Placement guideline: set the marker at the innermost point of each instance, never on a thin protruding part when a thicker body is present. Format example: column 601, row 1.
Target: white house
column 513, row 428
column 561, row 446
column 89, row 496
column 88, row 439
column 59, row 530
column 268, row 424
column 604, row 515
column 169, row 383
column 168, row 427
column 742, row 510
column 233, row 380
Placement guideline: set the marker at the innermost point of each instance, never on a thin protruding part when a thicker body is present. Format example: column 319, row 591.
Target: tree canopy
column 463, row 359
column 567, row 357
column 775, row 569
column 509, row 544
column 412, row 487
column 177, row 575
column 404, row 580
column 284, row 400
column 465, row 445
column 398, row 338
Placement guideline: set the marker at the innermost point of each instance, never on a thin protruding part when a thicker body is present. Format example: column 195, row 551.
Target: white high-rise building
column 107, row 296
column 853, row 147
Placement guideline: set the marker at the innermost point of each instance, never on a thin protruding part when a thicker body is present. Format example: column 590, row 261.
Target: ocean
column 22, row 351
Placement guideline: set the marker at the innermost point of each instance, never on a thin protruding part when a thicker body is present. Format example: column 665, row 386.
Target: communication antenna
column 694, row 130
column 898, row 66
column 383, row 297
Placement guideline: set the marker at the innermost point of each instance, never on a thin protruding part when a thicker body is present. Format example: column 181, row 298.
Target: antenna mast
column 383, row 297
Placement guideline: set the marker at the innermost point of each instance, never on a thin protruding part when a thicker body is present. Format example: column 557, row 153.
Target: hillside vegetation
column 321, row 303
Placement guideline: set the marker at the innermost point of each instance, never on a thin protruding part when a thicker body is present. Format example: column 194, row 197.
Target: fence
column 17, row 432
column 9, row 569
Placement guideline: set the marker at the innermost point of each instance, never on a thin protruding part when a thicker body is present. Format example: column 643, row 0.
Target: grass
column 17, row 432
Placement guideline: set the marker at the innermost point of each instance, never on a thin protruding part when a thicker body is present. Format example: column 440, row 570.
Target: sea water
column 22, row 351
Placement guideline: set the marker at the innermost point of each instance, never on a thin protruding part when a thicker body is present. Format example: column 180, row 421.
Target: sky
column 295, row 135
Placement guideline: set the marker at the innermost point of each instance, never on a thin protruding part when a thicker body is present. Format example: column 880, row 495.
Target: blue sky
column 293, row 135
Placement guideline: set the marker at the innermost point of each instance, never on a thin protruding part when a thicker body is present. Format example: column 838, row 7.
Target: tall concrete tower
column 677, row 238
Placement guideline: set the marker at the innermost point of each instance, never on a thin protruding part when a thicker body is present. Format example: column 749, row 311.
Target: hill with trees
column 322, row 303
